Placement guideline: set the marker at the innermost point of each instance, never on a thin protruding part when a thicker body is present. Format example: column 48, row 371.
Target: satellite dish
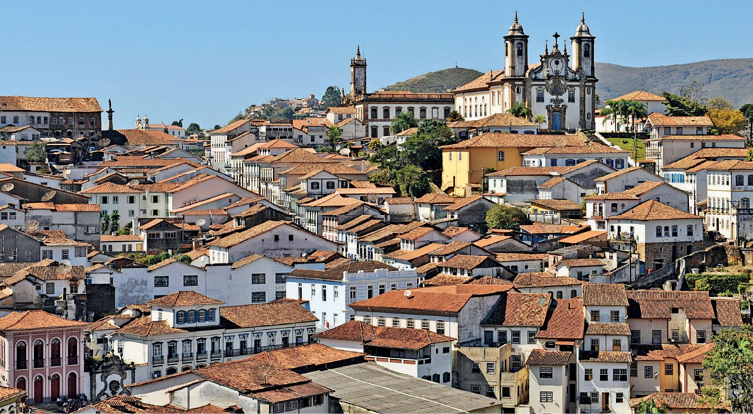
column 407, row 293
column 49, row 195
column 8, row 187
column 201, row 222
column 31, row 225
column 133, row 183
column 103, row 142
column 65, row 266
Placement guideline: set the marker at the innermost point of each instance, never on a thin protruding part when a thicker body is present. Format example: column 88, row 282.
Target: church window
column 386, row 131
column 373, row 113
column 520, row 49
column 586, row 50
column 571, row 95
column 539, row 95
column 386, row 113
column 374, row 132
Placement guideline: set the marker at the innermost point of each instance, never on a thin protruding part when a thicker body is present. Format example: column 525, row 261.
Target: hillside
column 730, row 78
column 439, row 81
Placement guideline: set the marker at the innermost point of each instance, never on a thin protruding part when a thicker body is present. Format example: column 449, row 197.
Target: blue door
column 556, row 121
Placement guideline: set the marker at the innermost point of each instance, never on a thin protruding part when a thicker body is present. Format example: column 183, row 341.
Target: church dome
column 516, row 28
column 582, row 29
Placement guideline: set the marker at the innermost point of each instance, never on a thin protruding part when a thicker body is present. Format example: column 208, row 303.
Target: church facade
column 561, row 86
column 378, row 110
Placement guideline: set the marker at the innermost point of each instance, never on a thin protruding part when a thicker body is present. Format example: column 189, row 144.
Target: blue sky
column 204, row 61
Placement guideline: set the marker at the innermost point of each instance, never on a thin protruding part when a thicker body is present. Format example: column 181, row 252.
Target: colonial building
column 561, row 87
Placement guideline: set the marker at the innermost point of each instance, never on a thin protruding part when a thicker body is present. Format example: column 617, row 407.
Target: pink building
column 41, row 354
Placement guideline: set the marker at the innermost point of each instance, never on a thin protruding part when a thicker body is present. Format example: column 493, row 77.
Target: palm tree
column 613, row 109
column 105, row 223
column 115, row 221
column 520, row 110
column 539, row 119
column 649, row 407
column 403, row 121
column 636, row 110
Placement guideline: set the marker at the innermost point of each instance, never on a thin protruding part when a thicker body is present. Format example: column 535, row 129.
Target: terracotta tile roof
column 450, row 248
column 727, row 312
column 631, row 194
column 77, row 207
column 482, row 82
column 355, row 222
column 566, row 321
column 654, row 210
column 582, row 262
column 550, row 183
column 708, row 154
column 429, row 300
column 586, row 235
column 106, row 238
column 658, row 304
column 418, row 233
column 542, row 357
column 230, row 127
column 723, row 137
column 36, row 319
column 490, row 280
column 140, row 137
column 515, row 257
column 606, row 356
column 240, row 237
column 679, row 401
column 133, row 161
column 333, row 200
column 465, row 201
column 543, row 279
column 639, row 96
column 390, row 231
column 658, row 120
column 344, row 209
column 246, row 260
column 336, row 273
column 37, row 104
column 591, row 148
column 660, row 352
column 399, row 200
column 556, row 204
column 311, row 355
column 384, row 337
column 498, row 120
column 185, row 298
column 342, row 110
column 465, row 261
column 519, row 309
column 604, row 295
column 488, row 241
column 145, row 326
column 266, row 314
column 443, row 279
column 609, row 328
column 696, row 356
column 731, row 165
column 617, row 173
column 454, row 231
column 408, row 255
column 436, row 198
column 507, row 140
column 111, row 188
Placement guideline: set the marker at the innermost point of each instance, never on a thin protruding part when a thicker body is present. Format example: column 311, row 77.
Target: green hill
column 730, row 78
column 439, row 81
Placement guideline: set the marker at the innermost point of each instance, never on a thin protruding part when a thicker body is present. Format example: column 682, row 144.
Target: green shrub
column 717, row 283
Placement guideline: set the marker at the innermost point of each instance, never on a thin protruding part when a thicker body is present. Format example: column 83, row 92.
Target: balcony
column 187, row 355
column 72, row 360
column 39, row 363
column 55, row 361
column 409, row 361
column 201, row 356
column 624, row 237
column 158, row 360
column 174, row 358
column 216, row 355
column 21, row 364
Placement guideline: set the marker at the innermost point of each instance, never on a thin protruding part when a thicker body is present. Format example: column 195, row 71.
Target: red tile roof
column 566, row 322
column 658, row 304
column 185, row 298
column 429, row 300
column 266, row 314
column 542, row 357
column 639, row 96
column 543, row 279
column 385, row 337
column 36, row 319
column 519, row 309
column 654, row 210
column 658, row 119
column 604, row 295
column 37, row 104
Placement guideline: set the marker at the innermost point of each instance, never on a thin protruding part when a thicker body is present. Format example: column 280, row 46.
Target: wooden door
column 605, row 402
column 55, row 387
column 38, row 395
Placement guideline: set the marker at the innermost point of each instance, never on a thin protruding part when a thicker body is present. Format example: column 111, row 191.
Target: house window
column 369, row 292
column 410, row 323
column 258, row 297
column 619, row 398
column 595, row 316
column 679, row 130
column 635, row 336
column 367, row 319
column 648, row 372
column 656, row 337
column 594, row 397
column 382, row 289
column 616, row 344
column 161, row 281
column 603, row 374
column 395, row 322
column 531, row 337
column 259, row 279
column 515, row 362
column 515, row 337
column 352, row 292
column 440, row 327
column 181, row 317
column 674, row 231
column 314, row 185
column 619, row 374
column 476, row 389
column 546, row 396
column 500, row 155
column 50, row 288
column 65, row 254
column 697, row 375
column 667, row 131
column 594, row 344
column 381, row 321
column 700, row 337
column 545, row 372
column 475, row 368
column 633, row 369
column 589, row 374
column 324, row 293
column 690, row 230
column 190, row 280
column 571, row 95
column 614, row 316
column 505, row 392
column 490, row 367
column 668, row 369
column 171, row 235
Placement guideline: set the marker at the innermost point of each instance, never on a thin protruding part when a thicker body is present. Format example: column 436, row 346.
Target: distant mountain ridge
column 730, row 78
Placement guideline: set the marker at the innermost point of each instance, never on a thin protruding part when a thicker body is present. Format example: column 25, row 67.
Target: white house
column 729, row 189
column 559, row 156
column 330, row 292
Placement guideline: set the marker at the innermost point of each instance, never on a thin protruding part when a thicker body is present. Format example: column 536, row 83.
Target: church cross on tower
column 556, row 37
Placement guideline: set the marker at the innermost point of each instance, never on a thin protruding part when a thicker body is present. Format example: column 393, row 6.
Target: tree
column 178, row 123
column 504, row 217
column 236, row 118
column 692, row 92
column 421, row 150
column 126, row 230
column 616, row 110
column 719, row 103
column 681, row 105
column 193, row 128
column 727, row 121
column 412, row 181
column 183, row 258
column 375, row 145
column 520, row 110
column 216, row 126
column 747, row 111
column 114, row 221
column 539, row 119
column 37, row 152
column 334, row 136
column 105, row 223
column 454, row 116
column 403, row 121
column 649, row 407
column 438, row 131
column 730, row 365
column 331, row 97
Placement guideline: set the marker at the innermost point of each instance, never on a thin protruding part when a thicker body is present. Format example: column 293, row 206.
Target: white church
column 558, row 87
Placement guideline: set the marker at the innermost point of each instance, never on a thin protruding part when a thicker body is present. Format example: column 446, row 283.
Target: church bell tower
column 357, row 75
column 583, row 49
column 516, row 51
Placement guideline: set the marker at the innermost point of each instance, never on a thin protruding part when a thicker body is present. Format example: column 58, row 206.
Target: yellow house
column 463, row 164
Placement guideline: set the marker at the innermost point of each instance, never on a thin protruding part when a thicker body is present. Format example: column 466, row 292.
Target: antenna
column 65, row 266
column 200, row 222
column 8, row 187
column 49, row 195
column 31, row 225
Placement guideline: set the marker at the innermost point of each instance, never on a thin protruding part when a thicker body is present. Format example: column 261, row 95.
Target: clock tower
column 357, row 75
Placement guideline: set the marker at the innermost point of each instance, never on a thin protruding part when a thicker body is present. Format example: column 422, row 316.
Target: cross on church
column 556, row 37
